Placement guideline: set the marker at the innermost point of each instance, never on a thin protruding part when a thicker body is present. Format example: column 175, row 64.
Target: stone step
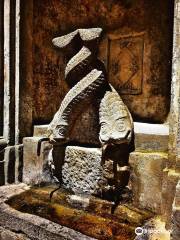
column 34, row 163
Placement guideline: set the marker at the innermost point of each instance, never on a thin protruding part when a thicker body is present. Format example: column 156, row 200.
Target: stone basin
column 28, row 210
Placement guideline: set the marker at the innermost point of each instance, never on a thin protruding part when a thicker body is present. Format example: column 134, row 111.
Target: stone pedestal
column 34, row 170
column 146, row 179
column 82, row 171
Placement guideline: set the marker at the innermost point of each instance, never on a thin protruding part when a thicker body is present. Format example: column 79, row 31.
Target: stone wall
column 1, row 68
column 171, row 172
column 134, row 32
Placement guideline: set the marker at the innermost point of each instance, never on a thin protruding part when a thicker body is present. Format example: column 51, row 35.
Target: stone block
column 34, row 166
column 82, row 170
column 6, row 234
column 146, row 179
column 170, row 179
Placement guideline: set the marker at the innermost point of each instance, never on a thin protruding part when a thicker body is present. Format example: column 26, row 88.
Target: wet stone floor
column 86, row 214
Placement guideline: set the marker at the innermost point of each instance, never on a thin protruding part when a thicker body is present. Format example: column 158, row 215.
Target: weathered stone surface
column 34, row 165
column 170, row 179
column 175, row 233
column 174, row 136
column 32, row 226
column 32, row 168
column 82, row 170
column 140, row 28
column 146, row 179
column 72, row 104
column 11, row 190
column 177, row 195
column 89, row 215
column 6, row 234
column 1, row 73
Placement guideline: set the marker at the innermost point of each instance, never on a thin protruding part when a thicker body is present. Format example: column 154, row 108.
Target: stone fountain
column 93, row 196
column 100, row 171
column 106, row 186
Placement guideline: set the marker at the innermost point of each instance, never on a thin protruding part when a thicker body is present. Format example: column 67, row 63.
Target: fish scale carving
column 84, row 73
column 115, row 119
column 87, row 77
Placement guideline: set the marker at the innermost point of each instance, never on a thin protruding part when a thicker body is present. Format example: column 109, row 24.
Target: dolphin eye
column 103, row 129
column 60, row 129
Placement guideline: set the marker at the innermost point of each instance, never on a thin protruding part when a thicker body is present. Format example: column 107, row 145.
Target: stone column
column 171, row 173
column 174, row 120
column 9, row 74
column 17, row 83
column 17, row 70
column 1, row 65
column 24, row 71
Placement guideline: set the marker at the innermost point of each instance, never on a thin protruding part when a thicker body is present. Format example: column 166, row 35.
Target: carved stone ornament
column 86, row 75
column 115, row 120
